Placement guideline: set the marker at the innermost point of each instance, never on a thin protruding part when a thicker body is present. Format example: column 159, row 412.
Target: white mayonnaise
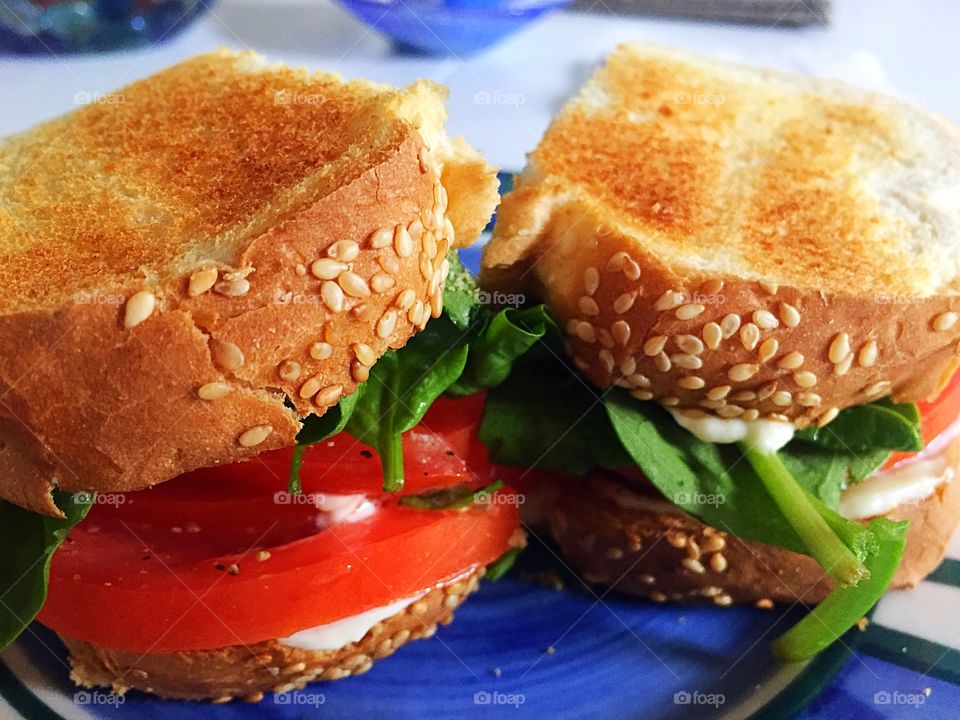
column 344, row 508
column 765, row 435
column 336, row 635
column 910, row 480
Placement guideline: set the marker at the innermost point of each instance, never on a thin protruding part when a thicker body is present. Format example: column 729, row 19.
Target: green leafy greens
column 29, row 540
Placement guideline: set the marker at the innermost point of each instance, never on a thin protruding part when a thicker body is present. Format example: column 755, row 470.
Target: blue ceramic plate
column 518, row 649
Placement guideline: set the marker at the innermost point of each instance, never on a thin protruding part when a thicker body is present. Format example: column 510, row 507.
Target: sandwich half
column 754, row 276
column 222, row 276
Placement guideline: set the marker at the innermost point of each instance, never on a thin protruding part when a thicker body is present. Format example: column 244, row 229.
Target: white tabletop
column 502, row 99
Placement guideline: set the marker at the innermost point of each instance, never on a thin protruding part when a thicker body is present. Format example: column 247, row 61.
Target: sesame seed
column 691, row 382
column 723, row 600
column 711, row 404
column 226, row 355
column 605, row 338
column 202, row 280
column 729, row 325
column 254, row 436
column 402, row 242
column 658, row 596
column 639, row 380
column 687, row 362
column 662, row 362
column 628, row 366
column 945, row 321
column 263, row 555
column 805, row 378
column 389, row 262
column 630, row 269
column 624, row 302
column 653, row 346
column 359, row 371
column 868, row 354
column 690, row 344
column 620, row 332
column 839, row 348
column 743, row 371
column 425, row 160
column 768, row 349
column 405, row 299
column 289, row 370
column 677, row 540
column 877, row 388
column 789, row 315
column 415, row 228
column 749, row 336
column 139, row 307
column 844, row 366
column 381, row 238
column 744, row 396
column 329, row 395
column 764, row 603
column 765, row 319
column 234, row 287
column 327, row 268
column 782, row 398
column 426, row 267
column 311, row 387
column 712, row 335
column 381, row 282
column 387, row 324
column 712, row 286
column 719, row 392
column 364, row 353
column 718, row 562
column 671, row 401
column 345, row 250
column 769, row 287
column 641, row 394
column 606, row 359
column 580, row 363
column 791, row 361
column 809, row 399
column 647, row 579
column 714, row 543
column 694, row 566
column 767, row 391
column 591, row 280
column 586, row 332
column 710, row 591
column 688, row 312
column 588, row 306
column 616, row 261
column 354, row 285
column 750, row 414
column 332, row 296
column 213, row 391
column 730, row 411
column 614, row 553
column 415, row 314
column 828, row 416
column 668, row 301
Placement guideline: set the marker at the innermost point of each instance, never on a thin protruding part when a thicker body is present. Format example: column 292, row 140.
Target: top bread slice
column 737, row 241
column 161, row 303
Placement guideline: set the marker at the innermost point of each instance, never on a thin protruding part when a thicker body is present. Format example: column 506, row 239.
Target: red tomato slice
column 153, row 574
column 935, row 416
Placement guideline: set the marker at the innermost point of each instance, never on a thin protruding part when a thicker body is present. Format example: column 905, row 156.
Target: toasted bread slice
column 619, row 533
column 181, row 257
column 740, row 241
column 247, row 672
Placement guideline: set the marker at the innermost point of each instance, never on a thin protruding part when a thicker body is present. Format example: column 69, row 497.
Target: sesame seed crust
column 247, row 672
column 266, row 331
column 648, row 547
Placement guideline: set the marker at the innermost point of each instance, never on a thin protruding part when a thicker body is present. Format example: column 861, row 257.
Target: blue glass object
column 72, row 26
column 448, row 27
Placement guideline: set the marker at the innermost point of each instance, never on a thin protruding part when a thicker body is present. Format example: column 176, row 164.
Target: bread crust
column 663, row 287
column 123, row 389
column 247, row 672
column 618, row 533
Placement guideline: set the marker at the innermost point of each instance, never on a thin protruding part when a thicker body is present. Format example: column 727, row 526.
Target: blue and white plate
column 518, row 649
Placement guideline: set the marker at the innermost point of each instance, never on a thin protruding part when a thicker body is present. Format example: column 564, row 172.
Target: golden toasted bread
column 181, row 257
column 741, row 242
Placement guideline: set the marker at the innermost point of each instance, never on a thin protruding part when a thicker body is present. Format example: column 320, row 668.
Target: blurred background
column 509, row 65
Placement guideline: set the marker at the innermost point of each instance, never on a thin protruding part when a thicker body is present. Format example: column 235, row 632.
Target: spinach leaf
column 881, row 424
column 459, row 293
column 29, row 541
column 317, row 428
column 457, row 496
column 501, row 566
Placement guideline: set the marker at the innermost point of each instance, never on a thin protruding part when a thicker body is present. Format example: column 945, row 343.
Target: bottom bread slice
column 249, row 671
column 618, row 533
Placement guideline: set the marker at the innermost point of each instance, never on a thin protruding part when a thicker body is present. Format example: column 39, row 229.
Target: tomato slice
column 935, row 416
column 155, row 571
